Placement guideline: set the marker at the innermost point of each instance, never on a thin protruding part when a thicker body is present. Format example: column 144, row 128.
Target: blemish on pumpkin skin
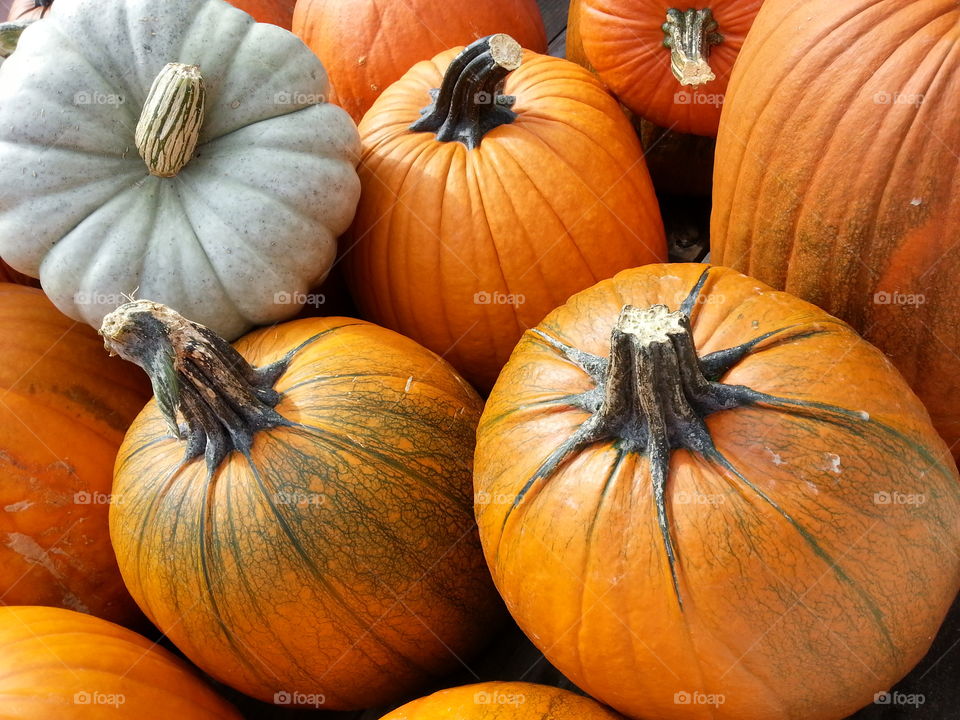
column 833, row 463
column 777, row 459
column 28, row 548
column 18, row 506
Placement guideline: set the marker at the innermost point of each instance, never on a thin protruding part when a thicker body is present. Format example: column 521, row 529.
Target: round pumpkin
column 225, row 214
column 366, row 45
column 64, row 408
column 700, row 497
column 501, row 700
column 61, row 664
column 839, row 184
column 668, row 62
column 295, row 515
column 483, row 209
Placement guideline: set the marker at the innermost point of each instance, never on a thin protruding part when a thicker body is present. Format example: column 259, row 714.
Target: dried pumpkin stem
column 171, row 119
column 197, row 376
column 469, row 102
column 690, row 35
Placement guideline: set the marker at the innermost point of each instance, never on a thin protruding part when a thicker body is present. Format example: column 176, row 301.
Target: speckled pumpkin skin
column 341, row 557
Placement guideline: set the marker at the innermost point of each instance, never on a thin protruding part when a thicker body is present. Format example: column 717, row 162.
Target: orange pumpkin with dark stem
column 60, row 664
column 667, row 62
column 306, row 533
column 839, row 181
column 64, row 408
column 700, row 497
column 503, row 701
column 366, row 45
column 484, row 209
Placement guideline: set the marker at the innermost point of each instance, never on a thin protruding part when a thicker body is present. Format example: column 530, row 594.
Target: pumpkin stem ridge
column 689, row 35
column 223, row 400
column 469, row 102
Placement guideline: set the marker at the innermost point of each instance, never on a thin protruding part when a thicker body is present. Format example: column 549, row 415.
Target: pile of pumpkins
column 699, row 493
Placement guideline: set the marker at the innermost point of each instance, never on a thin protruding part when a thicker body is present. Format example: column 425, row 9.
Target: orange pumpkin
column 64, row 408
column 492, row 208
column 668, row 62
column 365, row 45
column 61, row 664
column 700, row 497
column 838, row 181
column 500, row 701
column 309, row 537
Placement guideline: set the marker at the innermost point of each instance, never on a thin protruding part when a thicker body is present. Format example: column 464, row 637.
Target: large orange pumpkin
column 310, row 538
column 503, row 701
column 61, row 664
column 64, row 408
column 701, row 497
column 668, row 62
column 840, row 181
column 493, row 208
column 365, row 45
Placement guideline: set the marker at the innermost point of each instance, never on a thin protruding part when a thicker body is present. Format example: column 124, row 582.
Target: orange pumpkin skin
column 61, row 664
column 366, row 45
column 623, row 40
column 275, row 12
column 850, row 201
column 64, row 407
column 503, row 701
column 340, row 565
column 463, row 249
column 790, row 538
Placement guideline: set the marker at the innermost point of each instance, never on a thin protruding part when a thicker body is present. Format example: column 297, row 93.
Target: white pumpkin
column 239, row 233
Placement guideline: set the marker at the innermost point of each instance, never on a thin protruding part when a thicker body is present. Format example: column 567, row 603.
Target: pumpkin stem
column 170, row 122
column 223, row 400
column 469, row 103
column 10, row 33
column 690, row 35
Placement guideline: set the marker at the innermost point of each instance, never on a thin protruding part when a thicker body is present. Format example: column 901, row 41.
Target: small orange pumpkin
column 503, row 700
column 64, row 408
column 700, row 497
column 482, row 209
column 61, row 664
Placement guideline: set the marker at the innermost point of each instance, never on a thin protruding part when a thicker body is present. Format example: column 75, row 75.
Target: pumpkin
column 366, row 45
column 839, row 184
column 62, row 664
column 305, row 534
column 669, row 63
column 64, row 408
column 29, row 9
column 482, row 210
column 99, row 197
column 498, row 700
column 700, row 497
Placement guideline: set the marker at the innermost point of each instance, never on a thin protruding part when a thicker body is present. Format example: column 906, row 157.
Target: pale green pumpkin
column 235, row 236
